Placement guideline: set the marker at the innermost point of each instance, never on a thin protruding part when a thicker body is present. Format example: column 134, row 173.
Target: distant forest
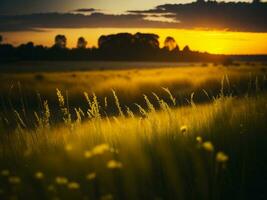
column 115, row 47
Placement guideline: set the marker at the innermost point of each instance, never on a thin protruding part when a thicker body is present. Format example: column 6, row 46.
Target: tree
column 256, row 1
column 117, row 41
column 81, row 43
column 200, row 1
column 147, row 40
column 170, row 44
column 60, row 41
column 1, row 39
column 186, row 49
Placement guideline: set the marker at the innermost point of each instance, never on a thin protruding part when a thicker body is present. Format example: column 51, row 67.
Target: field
column 172, row 131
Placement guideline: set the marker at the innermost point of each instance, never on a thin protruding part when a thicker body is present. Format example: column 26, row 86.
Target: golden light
column 213, row 41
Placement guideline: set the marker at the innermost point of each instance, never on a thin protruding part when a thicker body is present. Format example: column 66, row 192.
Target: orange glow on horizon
column 220, row 42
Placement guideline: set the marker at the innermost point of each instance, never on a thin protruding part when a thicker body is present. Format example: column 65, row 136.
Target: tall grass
column 208, row 151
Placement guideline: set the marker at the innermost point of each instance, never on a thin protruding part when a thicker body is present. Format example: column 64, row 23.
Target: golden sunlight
column 212, row 41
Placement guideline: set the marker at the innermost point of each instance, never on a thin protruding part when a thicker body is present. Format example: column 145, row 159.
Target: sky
column 112, row 6
column 215, row 28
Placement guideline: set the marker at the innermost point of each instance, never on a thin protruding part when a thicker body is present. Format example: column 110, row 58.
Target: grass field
column 129, row 80
column 202, row 138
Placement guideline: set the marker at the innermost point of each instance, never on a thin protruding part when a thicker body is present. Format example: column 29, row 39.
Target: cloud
column 72, row 20
column 247, row 17
column 241, row 16
column 86, row 10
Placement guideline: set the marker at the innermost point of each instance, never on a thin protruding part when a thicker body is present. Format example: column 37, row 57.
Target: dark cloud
column 250, row 17
column 213, row 15
column 70, row 20
column 86, row 10
column 18, row 7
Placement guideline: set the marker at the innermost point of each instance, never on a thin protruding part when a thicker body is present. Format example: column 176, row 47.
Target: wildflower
column 199, row 139
column 221, row 157
column 5, row 172
column 113, row 164
column 208, row 146
column 183, row 129
column 100, row 149
column 14, row 180
column 61, row 180
column 73, row 185
column 91, row 176
column 88, row 154
column 68, row 147
column 39, row 175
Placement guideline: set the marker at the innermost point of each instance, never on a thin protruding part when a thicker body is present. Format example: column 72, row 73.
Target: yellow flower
column 73, row 185
column 113, row 164
column 91, row 176
column 88, row 154
column 14, row 180
column 221, row 157
column 61, row 180
column 5, row 172
column 100, row 149
column 39, row 175
column 199, row 139
column 208, row 146
column 183, row 129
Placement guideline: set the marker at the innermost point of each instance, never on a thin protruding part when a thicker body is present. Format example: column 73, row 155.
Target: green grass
column 209, row 151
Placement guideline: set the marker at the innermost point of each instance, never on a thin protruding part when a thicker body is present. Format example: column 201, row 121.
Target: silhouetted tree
column 117, row 41
column 170, row 44
column 60, row 41
column 200, row 1
column 147, row 40
column 81, row 43
column 186, row 49
column 256, row 1
column 121, row 46
column 127, row 46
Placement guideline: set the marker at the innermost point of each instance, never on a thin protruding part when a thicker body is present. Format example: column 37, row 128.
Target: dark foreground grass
column 213, row 151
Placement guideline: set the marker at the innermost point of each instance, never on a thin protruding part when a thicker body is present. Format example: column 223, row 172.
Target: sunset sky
column 224, row 28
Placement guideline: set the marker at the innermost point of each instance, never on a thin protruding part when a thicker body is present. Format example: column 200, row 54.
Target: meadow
column 193, row 131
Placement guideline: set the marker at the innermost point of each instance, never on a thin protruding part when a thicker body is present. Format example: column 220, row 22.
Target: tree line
column 114, row 47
